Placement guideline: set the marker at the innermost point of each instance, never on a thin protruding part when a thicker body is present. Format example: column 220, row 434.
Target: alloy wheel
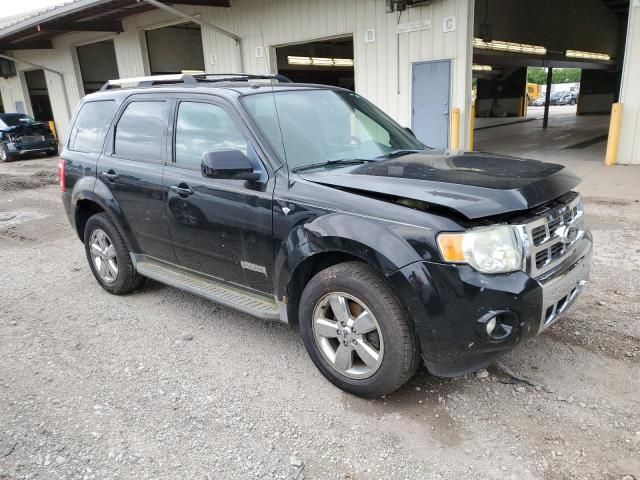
column 103, row 255
column 348, row 335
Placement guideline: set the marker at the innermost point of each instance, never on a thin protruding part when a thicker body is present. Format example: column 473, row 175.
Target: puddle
column 10, row 219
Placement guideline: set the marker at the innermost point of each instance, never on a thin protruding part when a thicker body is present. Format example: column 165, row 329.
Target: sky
column 10, row 8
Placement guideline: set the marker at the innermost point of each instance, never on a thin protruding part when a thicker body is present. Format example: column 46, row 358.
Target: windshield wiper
column 347, row 161
column 398, row 153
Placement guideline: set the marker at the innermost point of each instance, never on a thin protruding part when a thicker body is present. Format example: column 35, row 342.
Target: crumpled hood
column 37, row 127
column 473, row 184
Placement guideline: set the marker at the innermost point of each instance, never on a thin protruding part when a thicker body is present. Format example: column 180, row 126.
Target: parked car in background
column 569, row 98
column 555, row 98
column 540, row 101
column 306, row 203
column 20, row 135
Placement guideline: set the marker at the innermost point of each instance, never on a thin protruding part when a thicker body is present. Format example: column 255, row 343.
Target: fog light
column 497, row 325
column 490, row 326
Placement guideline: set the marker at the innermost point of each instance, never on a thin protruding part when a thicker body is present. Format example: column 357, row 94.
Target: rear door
column 220, row 227
column 130, row 171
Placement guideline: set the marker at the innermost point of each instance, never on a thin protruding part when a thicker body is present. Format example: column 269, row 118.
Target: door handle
column 182, row 191
column 110, row 175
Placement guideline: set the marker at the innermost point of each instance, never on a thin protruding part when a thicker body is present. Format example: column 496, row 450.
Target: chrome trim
column 565, row 217
column 560, row 292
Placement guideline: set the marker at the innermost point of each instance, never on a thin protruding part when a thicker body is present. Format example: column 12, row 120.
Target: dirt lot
column 164, row 385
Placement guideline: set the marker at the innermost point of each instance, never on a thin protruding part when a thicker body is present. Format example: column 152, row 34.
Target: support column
column 545, row 121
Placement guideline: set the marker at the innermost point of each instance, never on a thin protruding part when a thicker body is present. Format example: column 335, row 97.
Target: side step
column 254, row 304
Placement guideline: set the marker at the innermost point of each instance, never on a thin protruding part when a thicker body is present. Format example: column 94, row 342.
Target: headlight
column 488, row 249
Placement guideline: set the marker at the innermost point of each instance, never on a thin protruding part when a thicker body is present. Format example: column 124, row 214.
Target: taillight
column 62, row 171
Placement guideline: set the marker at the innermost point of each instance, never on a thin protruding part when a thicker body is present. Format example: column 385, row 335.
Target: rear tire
column 109, row 257
column 393, row 354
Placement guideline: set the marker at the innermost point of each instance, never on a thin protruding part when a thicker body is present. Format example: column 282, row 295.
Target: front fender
column 368, row 239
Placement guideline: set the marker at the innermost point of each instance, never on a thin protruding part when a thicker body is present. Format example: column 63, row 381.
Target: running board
column 251, row 303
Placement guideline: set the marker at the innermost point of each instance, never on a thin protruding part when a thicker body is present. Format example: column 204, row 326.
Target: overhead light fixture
column 299, row 60
column 503, row 46
column 320, row 61
column 343, row 62
column 481, row 68
column 587, row 55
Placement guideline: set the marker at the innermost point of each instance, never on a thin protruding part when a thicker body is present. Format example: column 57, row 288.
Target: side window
column 203, row 127
column 90, row 127
column 139, row 132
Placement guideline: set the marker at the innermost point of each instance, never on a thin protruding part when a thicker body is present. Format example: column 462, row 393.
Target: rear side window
column 91, row 125
column 140, row 131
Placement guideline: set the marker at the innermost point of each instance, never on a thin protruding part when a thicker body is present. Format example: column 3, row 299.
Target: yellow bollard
column 52, row 127
column 611, row 157
column 455, row 129
column 473, row 124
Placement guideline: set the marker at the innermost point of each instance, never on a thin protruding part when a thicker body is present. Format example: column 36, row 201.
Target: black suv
column 307, row 204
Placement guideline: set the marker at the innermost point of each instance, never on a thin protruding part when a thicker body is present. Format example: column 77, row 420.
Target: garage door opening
column 97, row 65
column 519, row 53
column 168, row 52
column 38, row 95
column 329, row 62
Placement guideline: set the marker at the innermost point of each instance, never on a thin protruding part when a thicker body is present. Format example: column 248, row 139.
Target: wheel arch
column 332, row 239
column 86, row 207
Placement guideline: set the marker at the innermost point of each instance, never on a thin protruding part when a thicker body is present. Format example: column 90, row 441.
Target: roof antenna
column 273, row 95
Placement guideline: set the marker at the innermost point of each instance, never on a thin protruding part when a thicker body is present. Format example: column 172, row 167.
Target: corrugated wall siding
column 629, row 152
column 382, row 67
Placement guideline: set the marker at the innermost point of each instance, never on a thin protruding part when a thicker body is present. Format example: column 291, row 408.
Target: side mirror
column 228, row 164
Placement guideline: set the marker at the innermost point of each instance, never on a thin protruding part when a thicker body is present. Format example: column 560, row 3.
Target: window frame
column 233, row 115
column 107, row 126
column 116, row 121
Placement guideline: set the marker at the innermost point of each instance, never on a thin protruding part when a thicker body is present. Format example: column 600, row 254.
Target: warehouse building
column 415, row 59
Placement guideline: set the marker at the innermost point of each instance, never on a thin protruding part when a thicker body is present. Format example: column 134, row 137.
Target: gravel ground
column 161, row 384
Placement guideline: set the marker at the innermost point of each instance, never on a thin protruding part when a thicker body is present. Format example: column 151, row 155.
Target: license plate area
column 32, row 138
column 558, row 294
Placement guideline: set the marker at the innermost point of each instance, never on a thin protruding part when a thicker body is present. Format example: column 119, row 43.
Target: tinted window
column 203, row 127
column 140, row 130
column 90, row 127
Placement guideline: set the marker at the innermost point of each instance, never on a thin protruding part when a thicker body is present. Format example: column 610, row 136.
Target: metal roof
column 36, row 29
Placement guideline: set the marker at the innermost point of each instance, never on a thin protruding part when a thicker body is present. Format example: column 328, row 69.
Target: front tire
column 5, row 156
column 357, row 332
column 108, row 256
column 52, row 152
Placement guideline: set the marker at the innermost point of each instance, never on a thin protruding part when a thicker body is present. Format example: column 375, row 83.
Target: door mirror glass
column 228, row 164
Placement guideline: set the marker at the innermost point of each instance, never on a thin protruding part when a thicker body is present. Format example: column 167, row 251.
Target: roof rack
column 240, row 77
column 187, row 79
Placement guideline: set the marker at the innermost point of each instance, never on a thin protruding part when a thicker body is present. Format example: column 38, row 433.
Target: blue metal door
column 431, row 103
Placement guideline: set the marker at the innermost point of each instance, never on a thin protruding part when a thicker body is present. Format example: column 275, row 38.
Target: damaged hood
column 473, row 184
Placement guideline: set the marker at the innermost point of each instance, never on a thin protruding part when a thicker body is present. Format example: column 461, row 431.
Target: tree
column 560, row 75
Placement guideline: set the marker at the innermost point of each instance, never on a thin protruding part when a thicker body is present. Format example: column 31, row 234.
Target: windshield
column 321, row 126
column 15, row 119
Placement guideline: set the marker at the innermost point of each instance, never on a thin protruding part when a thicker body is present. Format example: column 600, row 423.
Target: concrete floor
column 513, row 136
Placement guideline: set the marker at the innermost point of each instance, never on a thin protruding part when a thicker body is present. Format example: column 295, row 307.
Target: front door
column 222, row 228
column 431, row 103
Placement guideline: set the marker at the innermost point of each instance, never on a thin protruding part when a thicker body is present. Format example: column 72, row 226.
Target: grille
column 553, row 232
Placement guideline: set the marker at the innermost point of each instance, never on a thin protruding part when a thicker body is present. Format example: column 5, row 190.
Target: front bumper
column 450, row 305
